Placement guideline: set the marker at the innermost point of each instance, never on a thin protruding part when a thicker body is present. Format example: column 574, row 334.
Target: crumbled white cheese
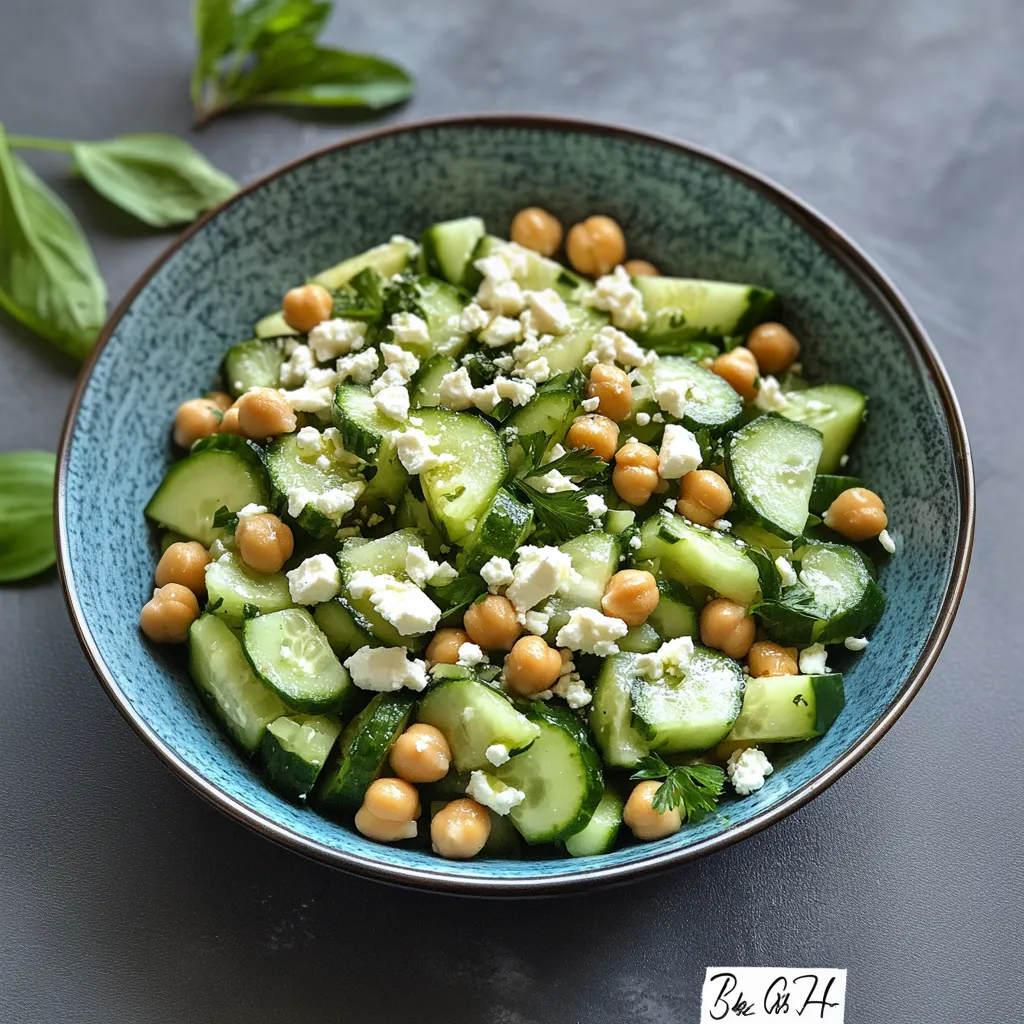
column 672, row 396
column 812, row 660
column 612, row 346
column 444, row 573
column 504, row 298
column 323, row 377
column 786, row 574
column 307, row 399
column 323, row 463
column 315, row 580
column 657, row 418
column 419, row 566
column 536, row 622
column 487, row 790
column 334, row 502
column 672, row 658
column 679, row 453
column 386, row 669
column 548, row 312
column 473, row 318
column 615, row 294
column 887, row 542
column 635, row 542
column 519, row 392
column 855, row 643
column 250, row 510
column 455, row 391
column 592, row 632
column 497, row 754
column 393, row 401
column 403, row 604
column 470, row 655
column 396, row 358
column 593, row 404
column 642, row 419
column 414, row 451
column 843, row 460
column 571, row 688
column 770, row 397
column 308, row 440
column 501, row 331
column 333, row 338
column 552, row 482
column 496, row 573
column 722, row 525
column 540, row 573
column 504, row 363
column 360, row 366
column 538, row 370
column 296, row 367
column 409, row 329
column 596, row 506
column 747, row 770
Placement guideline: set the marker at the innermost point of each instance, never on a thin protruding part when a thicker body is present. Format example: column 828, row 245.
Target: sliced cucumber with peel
column 541, row 272
column 601, row 831
column 448, row 246
column 784, row 709
column 621, row 744
column 675, row 614
column 836, row 411
column 390, row 258
column 595, row 556
column 425, row 386
column 295, row 748
column 501, row 531
column 565, row 352
column 232, row 587
column 711, row 403
column 345, row 628
column 364, row 428
column 274, row 325
column 550, row 413
column 252, row 364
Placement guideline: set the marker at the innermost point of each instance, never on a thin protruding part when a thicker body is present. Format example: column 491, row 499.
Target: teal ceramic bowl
column 690, row 213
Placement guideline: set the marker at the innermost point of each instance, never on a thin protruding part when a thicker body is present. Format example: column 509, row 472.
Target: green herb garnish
column 693, row 788
column 225, row 518
column 564, row 513
column 26, row 514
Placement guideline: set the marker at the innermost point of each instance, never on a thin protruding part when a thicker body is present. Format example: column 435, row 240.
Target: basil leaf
column 264, row 20
column 160, row 179
column 48, row 276
column 26, row 514
column 214, row 26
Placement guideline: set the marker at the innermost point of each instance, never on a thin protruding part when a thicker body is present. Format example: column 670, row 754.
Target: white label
column 765, row 995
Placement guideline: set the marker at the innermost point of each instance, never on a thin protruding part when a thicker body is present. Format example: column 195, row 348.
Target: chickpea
column 532, row 666
column 773, row 346
column 444, row 645
column 263, row 413
column 594, row 431
column 631, row 595
column 857, row 514
column 421, row 754
column 492, row 623
column 392, row 800
column 595, row 246
column 641, row 817
column 196, row 418
column 383, row 830
column 726, row 626
column 167, row 615
column 536, row 229
column 739, row 368
column 460, row 829
column 635, row 476
column 184, row 563
column 264, row 542
column 306, row 306
column 641, row 268
column 768, row 659
column 612, row 388
column 229, row 424
column 704, row 497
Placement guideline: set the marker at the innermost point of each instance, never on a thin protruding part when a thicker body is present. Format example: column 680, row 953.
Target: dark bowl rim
column 868, row 276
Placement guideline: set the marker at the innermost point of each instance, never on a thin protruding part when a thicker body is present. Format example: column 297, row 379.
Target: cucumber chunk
column 693, row 555
column 611, row 713
column 459, row 492
column 425, row 386
column 235, row 697
column 711, row 402
column 681, row 311
column 390, row 258
column 362, row 754
column 500, row 533
column 473, row 717
column 231, row 585
column 413, row 514
column 836, row 411
column 440, row 305
column 676, row 614
column 292, row 656
column 226, row 474
column 448, row 246
column 565, row 352
column 601, row 831
column 692, row 713
column 640, row 639
column 252, row 364
column 295, row 749
column 595, row 556
column 541, row 272
column 784, row 709
column 345, row 628
column 364, row 428
column 548, row 412
column 560, row 775
column 772, row 463
column 274, row 325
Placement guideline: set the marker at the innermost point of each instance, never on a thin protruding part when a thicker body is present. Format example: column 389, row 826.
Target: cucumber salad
column 478, row 548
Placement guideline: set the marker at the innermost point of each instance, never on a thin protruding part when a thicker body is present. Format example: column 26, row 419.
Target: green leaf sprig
column 564, row 513
column 693, row 788
column 26, row 514
column 266, row 53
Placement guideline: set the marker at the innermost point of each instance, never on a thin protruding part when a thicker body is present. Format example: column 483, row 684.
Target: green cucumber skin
column 253, row 363
column 362, row 754
column 601, row 831
column 501, row 532
column 288, row 773
column 424, row 387
column 437, row 241
column 346, row 630
column 777, row 709
column 675, row 614
column 828, row 487
column 794, row 627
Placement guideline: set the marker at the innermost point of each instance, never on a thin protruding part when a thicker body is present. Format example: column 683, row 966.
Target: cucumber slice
column 459, row 492
column 236, row 698
column 693, row 555
column 447, row 247
column 771, row 462
column 439, row 305
column 225, row 474
column 390, row 258
column 836, row 597
column 835, row 411
column 274, row 325
column 692, row 713
column 712, row 404
column 675, row 614
column 345, row 628
column 541, row 272
column 611, row 713
column 413, row 514
column 472, row 717
column 560, row 775
column 784, row 709
column 252, row 364
column 601, row 831
column 681, row 310
column 565, row 352
column 295, row 749
column 548, row 412
column 289, row 653
column 827, row 488
column 364, row 428
column 362, row 754
column 425, row 386
column 618, row 520
column 758, row 537
column 231, row 586
column 390, row 480
column 500, row 533
column 595, row 556
column 640, row 639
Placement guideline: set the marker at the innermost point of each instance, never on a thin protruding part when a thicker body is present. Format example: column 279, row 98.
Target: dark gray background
column 123, row 897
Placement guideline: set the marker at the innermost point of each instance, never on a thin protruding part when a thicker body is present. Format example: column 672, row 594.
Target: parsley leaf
column 693, row 788
column 225, row 517
column 533, row 446
column 577, row 462
column 564, row 513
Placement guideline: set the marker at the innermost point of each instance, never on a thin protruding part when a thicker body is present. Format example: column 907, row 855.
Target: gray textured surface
column 124, row 898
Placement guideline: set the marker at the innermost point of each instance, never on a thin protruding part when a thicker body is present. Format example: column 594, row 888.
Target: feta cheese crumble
column 470, row 655
column 548, row 313
column 552, row 482
column 296, row 367
column 455, row 391
column 314, row 581
column 414, row 451
column 672, row 658
column 501, row 331
column 473, row 318
column 593, row 404
column 596, row 505
column 642, row 419
column 308, row 440
column 612, row 346
column 572, row 690
column 679, row 454
column 393, row 401
column 496, row 573
column 812, row 660
column 401, row 603
column 540, row 573
column 887, row 542
column 536, row 622
column 770, row 397
column 250, row 510
column 497, row 754
column 386, row 669
column 747, row 770
column 333, row 338
column 615, row 294
column 360, row 366
column 592, row 632
column 409, row 329
column 334, row 502
column 855, row 643
column 489, row 791
column 786, row 574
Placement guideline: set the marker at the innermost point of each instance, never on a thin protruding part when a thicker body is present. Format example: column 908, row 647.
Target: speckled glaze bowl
column 690, row 213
